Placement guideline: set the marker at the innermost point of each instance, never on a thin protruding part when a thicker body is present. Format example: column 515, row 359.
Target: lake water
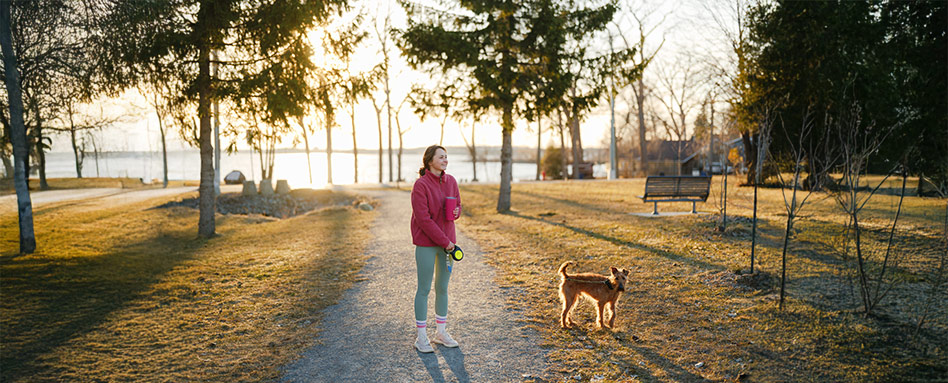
column 291, row 166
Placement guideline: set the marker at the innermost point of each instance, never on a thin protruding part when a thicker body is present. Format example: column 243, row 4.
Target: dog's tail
column 563, row 268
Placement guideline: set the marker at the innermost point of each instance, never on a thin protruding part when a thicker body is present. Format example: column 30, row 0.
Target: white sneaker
column 423, row 345
column 444, row 339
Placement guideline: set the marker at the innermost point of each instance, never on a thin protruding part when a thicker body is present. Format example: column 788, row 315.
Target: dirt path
column 367, row 336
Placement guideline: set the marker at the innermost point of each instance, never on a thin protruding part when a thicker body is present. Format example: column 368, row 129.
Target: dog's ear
column 614, row 270
column 625, row 271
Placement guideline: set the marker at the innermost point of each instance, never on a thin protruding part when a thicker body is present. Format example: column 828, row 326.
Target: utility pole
column 613, row 170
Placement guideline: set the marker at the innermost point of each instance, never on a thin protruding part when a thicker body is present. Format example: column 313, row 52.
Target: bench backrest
column 678, row 186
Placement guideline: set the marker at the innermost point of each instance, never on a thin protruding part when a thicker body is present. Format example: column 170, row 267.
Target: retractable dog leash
column 454, row 255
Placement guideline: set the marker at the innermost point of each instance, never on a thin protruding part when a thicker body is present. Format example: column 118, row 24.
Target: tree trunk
column 563, row 167
column 4, row 154
column 95, row 153
column 164, row 155
column 443, row 121
column 355, row 148
column 17, row 133
column 388, row 106
column 724, row 164
column 329, row 149
column 263, row 166
column 751, row 146
column 400, row 149
column 206, row 197
column 309, row 163
column 539, row 134
column 863, row 280
column 378, row 117
column 786, row 238
column 473, row 153
column 754, row 230
column 643, row 145
column 40, row 152
column 7, row 164
column 877, row 296
column 577, row 142
column 398, row 127
column 75, row 147
column 506, row 160
column 783, row 259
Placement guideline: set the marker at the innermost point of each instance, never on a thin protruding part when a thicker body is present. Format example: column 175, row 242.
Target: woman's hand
column 450, row 247
column 457, row 212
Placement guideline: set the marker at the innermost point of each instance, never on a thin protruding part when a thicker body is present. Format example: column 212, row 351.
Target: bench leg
column 655, row 209
column 693, row 211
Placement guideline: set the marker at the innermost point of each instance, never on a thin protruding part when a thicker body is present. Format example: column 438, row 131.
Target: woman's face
column 439, row 162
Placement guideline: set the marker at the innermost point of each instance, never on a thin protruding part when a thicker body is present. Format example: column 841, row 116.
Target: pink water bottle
column 449, row 204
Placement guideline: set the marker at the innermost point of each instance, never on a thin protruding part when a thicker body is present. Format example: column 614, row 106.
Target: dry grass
column 130, row 294
column 685, row 316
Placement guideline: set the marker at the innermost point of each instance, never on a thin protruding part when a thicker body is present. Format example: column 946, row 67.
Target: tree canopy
column 261, row 51
column 822, row 58
column 515, row 50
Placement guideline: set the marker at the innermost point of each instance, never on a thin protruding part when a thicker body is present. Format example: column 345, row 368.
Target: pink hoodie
column 428, row 224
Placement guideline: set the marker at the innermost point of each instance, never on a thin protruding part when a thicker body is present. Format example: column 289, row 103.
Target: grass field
column 130, row 293
column 685, row 315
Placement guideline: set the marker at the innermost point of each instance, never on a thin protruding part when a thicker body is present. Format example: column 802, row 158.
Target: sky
column 680, row 28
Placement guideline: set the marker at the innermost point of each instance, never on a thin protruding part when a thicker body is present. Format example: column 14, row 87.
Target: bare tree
column 794, row 205
column 378, row 117
column 17, row 133
column 472, row 145
column 643, row 16
column 857, row 142
column 680, row 82
column 401, row 133
column 383, row 36
column 764, row 128
column 75, row 119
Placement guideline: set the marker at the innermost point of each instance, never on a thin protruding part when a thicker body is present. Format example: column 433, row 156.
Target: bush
column 553, row 162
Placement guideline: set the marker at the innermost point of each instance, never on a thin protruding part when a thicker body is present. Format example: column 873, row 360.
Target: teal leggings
column 431, row 261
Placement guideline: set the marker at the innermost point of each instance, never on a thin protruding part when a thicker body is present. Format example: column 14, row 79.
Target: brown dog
column 600, row 288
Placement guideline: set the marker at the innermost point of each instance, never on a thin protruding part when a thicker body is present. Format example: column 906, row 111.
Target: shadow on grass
column 621, row 242
column 49, row 300
column 672, row 370
column 572, row 203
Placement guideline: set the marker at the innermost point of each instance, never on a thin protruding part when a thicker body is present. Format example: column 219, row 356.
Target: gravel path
column 368, row 335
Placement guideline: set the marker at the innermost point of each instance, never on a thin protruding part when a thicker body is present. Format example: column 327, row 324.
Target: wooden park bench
column 676, row 189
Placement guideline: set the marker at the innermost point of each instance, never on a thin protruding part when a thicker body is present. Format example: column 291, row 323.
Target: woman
column 432, row 233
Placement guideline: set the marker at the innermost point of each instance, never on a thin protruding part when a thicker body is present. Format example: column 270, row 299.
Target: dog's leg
column 566, row 306
column 600, row 316
column 568, row 303
column 612, row 311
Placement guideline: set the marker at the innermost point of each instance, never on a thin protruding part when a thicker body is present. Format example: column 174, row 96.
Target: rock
column 699, row 364
column 234, row 178
column 266, row 188
column 283, row 187
column 364, row 206
column 249, row 188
